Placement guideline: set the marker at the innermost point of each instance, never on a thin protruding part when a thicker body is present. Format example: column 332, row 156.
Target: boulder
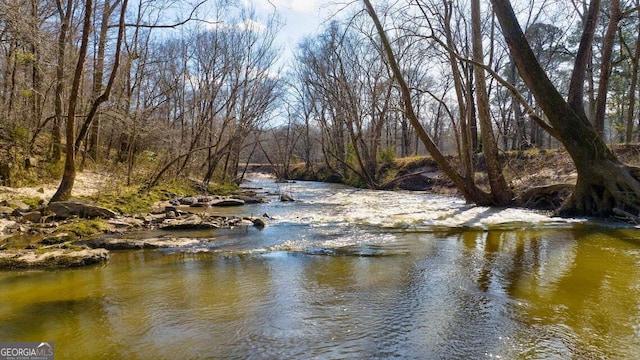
column 286, row 197
column 250, row 199
column 228, row 202
column 32, row 216
column 193, row 222
column 189, row 200
column 67, row 209
column 259, row 223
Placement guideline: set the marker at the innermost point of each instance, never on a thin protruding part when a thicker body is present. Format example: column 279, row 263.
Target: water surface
column 347, row 273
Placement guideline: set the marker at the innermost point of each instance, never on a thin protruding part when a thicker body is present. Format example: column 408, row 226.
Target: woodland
column 160, row 90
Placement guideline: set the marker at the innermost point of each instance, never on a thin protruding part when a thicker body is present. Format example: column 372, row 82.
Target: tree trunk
column 65, row 20
column 604, row 185
column 100, row 93
column 465, row 185
column 466, row 143
column 631, row 113
column 68, row 177
column 501, row 193
column 605, row 67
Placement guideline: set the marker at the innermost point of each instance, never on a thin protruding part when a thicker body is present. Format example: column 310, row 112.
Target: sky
column 301, row 17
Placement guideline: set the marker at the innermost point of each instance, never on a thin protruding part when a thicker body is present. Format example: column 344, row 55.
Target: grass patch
column 84, row 227
column 33, row 202
column 132, row 200
column 224, row 189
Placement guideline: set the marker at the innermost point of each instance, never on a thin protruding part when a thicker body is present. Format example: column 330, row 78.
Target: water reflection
column 326, row 287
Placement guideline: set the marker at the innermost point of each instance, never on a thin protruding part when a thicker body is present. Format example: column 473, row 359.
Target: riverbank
column 35, row 234
column 542, row 178
column 78, row 233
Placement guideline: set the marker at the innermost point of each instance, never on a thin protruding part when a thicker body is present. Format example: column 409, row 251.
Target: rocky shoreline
column 53, row 242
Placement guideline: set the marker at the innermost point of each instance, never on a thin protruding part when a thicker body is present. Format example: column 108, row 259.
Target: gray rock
column 5, row 210
column 16, row 204
column 200, row 205
column 67, row 209
column 32, row 216
column 259, row 223
column 56, row 239
column 156, row 218
column 192, row 222
column 286, row 197
column 228, row 202
column 132, row 244
column 248, row 199
column 126, row 223
column 205, row 199
column 189, row 200
column 51, row 259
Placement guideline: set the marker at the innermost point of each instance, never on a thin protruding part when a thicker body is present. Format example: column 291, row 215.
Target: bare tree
column 69, row 175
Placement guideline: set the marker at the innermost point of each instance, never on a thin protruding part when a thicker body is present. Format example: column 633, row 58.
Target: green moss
column 33, row 202
column 133, row 200
column 224, row 189
column 84, row 227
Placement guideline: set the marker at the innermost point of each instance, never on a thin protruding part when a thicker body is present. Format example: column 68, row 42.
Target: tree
column 605, row 186
column 69, row 175
column 499, row 189
column 500, row 194
column 634, row 56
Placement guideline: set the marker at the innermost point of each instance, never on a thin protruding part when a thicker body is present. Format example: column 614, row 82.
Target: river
column 348, row 273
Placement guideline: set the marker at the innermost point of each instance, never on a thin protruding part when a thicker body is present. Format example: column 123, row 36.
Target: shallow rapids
column 348, row 273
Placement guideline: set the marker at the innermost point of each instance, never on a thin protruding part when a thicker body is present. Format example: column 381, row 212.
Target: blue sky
column 301, row 17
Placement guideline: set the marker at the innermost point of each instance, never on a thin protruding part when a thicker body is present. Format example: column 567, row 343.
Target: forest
column 158, row 90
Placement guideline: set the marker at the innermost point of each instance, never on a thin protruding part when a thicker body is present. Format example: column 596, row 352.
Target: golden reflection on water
column 530, row 294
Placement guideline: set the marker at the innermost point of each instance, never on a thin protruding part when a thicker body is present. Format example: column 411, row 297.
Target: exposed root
column 609, row 190
column 548, row 197
column 626, row 216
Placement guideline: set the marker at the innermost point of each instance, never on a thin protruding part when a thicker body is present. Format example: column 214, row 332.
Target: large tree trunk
column 605, row 186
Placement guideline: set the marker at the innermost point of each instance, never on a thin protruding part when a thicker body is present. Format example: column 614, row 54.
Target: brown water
column 349, row 274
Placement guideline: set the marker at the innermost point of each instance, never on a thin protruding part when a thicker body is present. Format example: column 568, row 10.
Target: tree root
column 609, row 190
column 548, row 197
column 626, row 216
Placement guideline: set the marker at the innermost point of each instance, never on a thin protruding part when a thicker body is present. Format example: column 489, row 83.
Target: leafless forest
column 162, row 89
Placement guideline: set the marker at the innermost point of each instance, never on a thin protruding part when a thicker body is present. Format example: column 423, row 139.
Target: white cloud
column 305, row 6
column 286, row 6
column 252, row 25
